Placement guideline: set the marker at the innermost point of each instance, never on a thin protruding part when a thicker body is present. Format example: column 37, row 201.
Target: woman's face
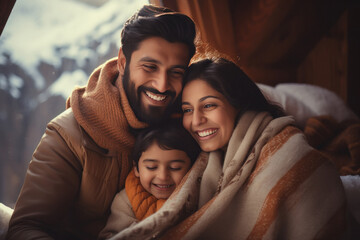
column 208, row 116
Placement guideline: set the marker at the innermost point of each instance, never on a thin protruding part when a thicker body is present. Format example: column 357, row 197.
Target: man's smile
column 155, row 97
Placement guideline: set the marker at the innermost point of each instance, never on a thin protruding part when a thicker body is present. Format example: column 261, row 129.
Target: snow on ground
column 42, row 30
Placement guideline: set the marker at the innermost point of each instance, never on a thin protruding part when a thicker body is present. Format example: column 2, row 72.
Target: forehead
column 154, row 152
column 197, row 89
column 163, row 51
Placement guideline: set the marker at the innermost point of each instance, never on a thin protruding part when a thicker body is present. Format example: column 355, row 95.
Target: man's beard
column 150, row 114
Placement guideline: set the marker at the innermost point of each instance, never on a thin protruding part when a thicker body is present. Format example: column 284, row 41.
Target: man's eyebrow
column 149, row 59
column 179, row 66
column 201, row 99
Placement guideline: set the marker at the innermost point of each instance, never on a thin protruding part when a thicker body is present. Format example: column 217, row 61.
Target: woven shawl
column 271, row 185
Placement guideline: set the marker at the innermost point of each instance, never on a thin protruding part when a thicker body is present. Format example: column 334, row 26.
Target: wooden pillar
column 353, row 31
column 5, row 10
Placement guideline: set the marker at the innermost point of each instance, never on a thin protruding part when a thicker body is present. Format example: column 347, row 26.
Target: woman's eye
column 209, row 105
column 187, row 110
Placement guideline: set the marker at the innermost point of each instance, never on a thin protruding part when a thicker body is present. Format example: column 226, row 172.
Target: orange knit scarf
column 143, row 203
column 103, row 111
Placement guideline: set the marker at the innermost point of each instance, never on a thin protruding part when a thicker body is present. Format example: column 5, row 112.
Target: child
column 162, row 156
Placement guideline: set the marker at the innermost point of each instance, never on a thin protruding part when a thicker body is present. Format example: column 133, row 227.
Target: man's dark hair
column 153, row 21
column 170, row 136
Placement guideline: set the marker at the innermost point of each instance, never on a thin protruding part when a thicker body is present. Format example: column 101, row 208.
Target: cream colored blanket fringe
column 270, row 185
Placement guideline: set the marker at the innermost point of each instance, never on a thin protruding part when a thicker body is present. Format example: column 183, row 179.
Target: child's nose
column 163, row 174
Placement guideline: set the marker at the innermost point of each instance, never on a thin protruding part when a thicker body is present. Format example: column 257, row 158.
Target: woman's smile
column 208, row 116
column 206, row 134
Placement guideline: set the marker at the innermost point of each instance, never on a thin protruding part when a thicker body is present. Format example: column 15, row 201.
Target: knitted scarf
column 103, row 111
column 270, row 185
column 143, row 203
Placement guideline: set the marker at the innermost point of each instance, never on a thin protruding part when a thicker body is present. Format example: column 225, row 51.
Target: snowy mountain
column 47, row 48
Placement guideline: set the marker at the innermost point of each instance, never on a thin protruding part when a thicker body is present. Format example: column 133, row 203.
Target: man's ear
column 121, row 62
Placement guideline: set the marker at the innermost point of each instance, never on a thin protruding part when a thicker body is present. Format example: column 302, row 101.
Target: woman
column 260, row 178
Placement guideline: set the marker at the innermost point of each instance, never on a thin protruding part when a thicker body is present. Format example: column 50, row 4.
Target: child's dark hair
column 170, row 136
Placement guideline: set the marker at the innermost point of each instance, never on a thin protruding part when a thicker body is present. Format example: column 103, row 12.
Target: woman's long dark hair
column 228, row 79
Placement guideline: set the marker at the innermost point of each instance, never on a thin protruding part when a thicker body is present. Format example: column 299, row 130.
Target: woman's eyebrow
column 206, row 97
column 185, row 103
column 201, row 99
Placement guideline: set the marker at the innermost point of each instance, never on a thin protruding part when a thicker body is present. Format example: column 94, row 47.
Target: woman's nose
column 198, row 118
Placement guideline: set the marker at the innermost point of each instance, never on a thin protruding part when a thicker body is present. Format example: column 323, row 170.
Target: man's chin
column 154, row 114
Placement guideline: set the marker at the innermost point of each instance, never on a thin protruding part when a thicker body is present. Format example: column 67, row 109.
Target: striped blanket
column 270, row 184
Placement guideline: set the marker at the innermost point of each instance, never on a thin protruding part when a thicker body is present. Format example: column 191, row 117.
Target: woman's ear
column 137, row 174
column 121, row 62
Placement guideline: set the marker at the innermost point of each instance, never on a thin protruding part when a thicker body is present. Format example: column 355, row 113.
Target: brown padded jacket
column 68, row 171
column 80, row 163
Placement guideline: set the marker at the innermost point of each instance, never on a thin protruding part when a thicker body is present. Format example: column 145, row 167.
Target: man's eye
column 149, row 68
column 177, row 73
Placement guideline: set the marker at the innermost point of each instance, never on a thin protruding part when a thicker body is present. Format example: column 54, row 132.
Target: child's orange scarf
column 143, row 203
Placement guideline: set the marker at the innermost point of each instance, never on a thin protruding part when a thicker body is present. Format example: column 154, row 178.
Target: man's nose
column 161, row 83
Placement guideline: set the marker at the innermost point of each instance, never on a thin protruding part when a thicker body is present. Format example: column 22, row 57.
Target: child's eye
column 175, row 168
column 151, row 168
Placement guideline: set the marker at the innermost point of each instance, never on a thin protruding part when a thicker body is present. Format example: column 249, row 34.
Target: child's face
column 160, row 170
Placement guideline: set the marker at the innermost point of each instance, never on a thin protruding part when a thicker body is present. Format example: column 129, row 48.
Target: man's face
column 153, row 79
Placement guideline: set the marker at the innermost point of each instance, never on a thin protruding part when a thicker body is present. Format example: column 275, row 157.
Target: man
column 82, row 160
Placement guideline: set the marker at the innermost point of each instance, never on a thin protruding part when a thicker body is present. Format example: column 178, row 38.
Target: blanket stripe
column 179, row 231
column 271, row 148
column 287, row 185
